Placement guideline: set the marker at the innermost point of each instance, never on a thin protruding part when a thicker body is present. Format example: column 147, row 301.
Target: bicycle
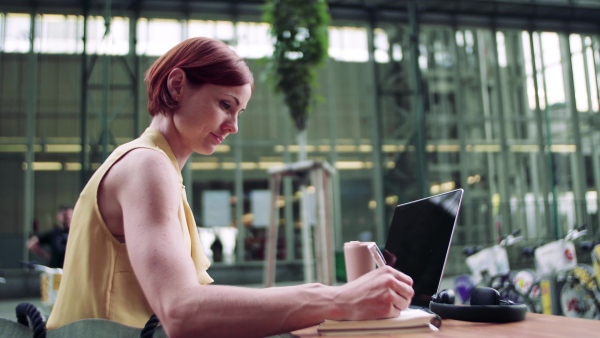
column 558, row 260
column 580, row 294
column 490, row 267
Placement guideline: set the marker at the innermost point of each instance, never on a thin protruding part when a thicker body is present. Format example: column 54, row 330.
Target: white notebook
column 410, row 320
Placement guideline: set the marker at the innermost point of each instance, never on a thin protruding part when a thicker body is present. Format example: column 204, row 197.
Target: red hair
column 203, row 60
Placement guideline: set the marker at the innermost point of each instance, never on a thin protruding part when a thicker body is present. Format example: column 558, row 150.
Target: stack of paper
column 411, row 320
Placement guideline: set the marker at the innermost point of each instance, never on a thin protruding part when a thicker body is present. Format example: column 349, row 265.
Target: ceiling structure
column 564, row 15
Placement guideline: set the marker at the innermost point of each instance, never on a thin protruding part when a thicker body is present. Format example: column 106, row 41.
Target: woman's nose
column 231, row 125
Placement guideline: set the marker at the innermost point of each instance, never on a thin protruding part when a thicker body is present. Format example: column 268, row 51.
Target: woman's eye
column 225, row 105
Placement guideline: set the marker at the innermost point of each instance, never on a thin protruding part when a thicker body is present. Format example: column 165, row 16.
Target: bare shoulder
column 141, row 184
column 143, row 166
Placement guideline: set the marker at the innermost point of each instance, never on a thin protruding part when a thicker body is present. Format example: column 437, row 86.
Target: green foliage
column 299, row 31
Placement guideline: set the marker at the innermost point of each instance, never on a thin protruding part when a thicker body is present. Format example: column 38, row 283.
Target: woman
column 134, row 248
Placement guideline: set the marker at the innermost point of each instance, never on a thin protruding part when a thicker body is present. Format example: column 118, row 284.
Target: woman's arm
column 150, row 199
column 34, row 245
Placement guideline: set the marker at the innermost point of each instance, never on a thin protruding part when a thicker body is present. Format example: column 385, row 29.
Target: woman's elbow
column 179, row 321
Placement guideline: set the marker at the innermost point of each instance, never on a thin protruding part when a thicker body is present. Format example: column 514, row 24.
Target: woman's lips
column 218, row 138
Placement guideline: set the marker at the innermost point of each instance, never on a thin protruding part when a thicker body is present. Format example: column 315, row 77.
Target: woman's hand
column 381, row 293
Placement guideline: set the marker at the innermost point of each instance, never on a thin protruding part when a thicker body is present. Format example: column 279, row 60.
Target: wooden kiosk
column 319, row 174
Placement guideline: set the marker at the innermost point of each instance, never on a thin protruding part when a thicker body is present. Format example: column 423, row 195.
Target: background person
column 134, row 249
column 55, row 239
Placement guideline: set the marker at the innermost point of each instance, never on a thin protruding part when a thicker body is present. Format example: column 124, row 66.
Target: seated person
column 134, row 248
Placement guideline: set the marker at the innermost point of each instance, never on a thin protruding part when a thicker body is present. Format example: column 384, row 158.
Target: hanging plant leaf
column 300, row 38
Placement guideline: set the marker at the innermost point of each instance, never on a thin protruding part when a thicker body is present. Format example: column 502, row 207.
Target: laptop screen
column 420, row 237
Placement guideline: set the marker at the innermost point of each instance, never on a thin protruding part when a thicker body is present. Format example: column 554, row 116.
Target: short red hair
column 203, row 60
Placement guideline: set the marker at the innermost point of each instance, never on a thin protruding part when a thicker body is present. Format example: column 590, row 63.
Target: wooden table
column 535, row 325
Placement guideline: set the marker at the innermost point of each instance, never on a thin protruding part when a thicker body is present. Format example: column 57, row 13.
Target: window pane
column 253, row 40
column 17, row 33
column 592, row 77
column 348, row 44
column 157, row 36
column 382, row 46
column 581, row 96
column 116, row 42
column 553, row 68
column 58, row 34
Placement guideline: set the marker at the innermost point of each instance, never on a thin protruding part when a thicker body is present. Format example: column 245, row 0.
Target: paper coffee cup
column 359, row 260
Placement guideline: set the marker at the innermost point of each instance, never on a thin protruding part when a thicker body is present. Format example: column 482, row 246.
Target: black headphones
column 486, row 306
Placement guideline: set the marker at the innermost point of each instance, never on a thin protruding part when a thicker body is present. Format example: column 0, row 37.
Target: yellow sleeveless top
column 98, row 281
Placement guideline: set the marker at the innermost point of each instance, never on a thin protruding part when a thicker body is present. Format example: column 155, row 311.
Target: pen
column 377, row 255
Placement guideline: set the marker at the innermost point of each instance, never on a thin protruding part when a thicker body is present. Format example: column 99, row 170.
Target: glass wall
column 509, row 117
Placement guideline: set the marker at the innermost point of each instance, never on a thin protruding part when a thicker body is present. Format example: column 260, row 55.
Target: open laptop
column 420, row 237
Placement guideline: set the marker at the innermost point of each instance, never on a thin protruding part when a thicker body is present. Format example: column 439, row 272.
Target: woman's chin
column 206, row 151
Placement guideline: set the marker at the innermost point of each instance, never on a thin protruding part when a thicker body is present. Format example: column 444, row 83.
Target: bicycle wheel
column 575, row 300
column 527, row 284
column 524, row 280
column 533, row 298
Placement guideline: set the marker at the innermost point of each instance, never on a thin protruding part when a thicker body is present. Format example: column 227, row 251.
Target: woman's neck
column 164, row 125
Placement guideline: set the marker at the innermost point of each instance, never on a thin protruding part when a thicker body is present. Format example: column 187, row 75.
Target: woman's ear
column 175, row 83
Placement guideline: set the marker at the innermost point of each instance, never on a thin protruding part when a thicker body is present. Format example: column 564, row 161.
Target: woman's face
column 207, row 114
